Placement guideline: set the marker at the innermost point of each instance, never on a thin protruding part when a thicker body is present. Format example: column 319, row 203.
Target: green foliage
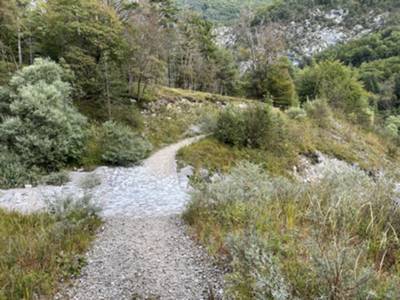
column 338, row 84
column 296, row 113
column 255, row 127
column 42, row 126
column 280, row 85
column 392, row 126
column 220, row 11
column 121, row 146
column 91, row 155
column 231, row 127
column 287, row 11
column 328, row 238
column 38, row 251
column 380, row 45
column 323, row 130
column 83, row 33
column 14, row 172
column 377, row 55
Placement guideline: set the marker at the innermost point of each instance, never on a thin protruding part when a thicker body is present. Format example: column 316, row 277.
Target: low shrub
column 121, row 146
column 332, row 238
column 90, row 181
column 256, row 127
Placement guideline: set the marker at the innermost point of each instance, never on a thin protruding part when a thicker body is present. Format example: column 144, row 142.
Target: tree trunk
column 138, row 88
column 108, row 98
column 169, row 71
column 30, row 51
column 19, row 36
column 130, row 81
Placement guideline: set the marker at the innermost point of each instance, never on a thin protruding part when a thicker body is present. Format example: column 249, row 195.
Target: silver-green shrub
column 247, row 182
column 90, row 181
column 56, row 179
column 42, row 127
column 252, row 259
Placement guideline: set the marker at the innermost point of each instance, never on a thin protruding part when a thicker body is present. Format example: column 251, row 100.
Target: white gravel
column 143, row 251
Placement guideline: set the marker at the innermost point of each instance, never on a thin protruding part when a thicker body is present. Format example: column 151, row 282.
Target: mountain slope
column 312, row 26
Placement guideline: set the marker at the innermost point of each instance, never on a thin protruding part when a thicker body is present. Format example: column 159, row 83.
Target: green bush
column 231, row 127
column 296, row 113
column 256, row 127
column 42, row 126
column 121, row 146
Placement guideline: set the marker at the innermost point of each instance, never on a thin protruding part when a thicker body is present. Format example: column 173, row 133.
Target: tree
column 146, row 54
column 196, row 62
column 338, row 84
column 227, row 74
column 280, row 85
column 85, row 33
column 263, row 47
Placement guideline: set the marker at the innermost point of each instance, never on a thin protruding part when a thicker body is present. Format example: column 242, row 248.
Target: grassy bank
column 332, row 239
column 38, row 251
column 340, row 139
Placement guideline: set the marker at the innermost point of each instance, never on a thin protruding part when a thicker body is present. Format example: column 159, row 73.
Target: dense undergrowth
column 335, row 238
column 40, row 250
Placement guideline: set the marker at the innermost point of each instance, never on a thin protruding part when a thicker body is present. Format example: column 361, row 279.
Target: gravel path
column 143, row 251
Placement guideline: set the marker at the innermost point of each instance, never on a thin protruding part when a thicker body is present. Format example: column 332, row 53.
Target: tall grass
column 336, row 238
column 37, row 251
